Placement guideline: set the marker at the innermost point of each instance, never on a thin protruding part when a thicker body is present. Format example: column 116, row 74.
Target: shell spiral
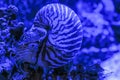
column 64, row 34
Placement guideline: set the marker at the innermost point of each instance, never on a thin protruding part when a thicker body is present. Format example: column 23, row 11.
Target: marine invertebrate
column 54, row 39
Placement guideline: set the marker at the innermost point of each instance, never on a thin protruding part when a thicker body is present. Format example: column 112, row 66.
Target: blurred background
column 100, row 50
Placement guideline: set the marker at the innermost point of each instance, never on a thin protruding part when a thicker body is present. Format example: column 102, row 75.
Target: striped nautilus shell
column 54, row 39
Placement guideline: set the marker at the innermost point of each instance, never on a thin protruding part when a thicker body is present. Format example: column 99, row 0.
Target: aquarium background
column 99, row 58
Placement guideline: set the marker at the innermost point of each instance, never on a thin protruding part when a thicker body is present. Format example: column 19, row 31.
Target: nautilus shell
column 54, row 39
